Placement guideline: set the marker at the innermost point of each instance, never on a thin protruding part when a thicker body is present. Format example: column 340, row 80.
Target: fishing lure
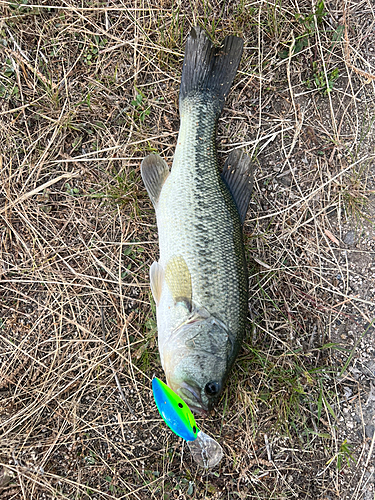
column 177, row 415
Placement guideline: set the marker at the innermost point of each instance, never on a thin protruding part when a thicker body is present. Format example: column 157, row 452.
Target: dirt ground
column 87, row 89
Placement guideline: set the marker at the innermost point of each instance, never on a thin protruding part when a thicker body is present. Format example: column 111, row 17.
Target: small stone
column 369, row 430
column 350, row 238
column 331, row 211
column 347, row 392
column 286, row 180
column 6, row 477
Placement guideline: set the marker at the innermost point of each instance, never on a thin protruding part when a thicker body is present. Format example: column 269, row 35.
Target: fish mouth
column 191, row 394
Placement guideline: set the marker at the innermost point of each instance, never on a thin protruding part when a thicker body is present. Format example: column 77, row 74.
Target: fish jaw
column 190, row 393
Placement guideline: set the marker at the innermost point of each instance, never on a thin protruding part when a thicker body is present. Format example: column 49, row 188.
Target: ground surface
column 86, row 91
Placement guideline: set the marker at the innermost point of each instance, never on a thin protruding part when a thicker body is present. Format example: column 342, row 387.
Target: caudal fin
column 209, row 69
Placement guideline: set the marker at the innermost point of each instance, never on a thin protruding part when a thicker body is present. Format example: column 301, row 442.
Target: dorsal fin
column 238, row 175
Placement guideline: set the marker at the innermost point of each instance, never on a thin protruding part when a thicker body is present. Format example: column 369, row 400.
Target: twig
column 268, row 448
column 37, row 190
column 21, row 60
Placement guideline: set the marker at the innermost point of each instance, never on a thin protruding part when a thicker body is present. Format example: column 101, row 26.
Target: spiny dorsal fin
column 238, row 175
column 156, row 280
column 154, row 171
column 178, row 279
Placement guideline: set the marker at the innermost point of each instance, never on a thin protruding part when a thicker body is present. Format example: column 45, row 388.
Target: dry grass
column 86, row 91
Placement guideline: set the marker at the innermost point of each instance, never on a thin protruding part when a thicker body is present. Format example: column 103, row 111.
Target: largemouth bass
column 200, row 283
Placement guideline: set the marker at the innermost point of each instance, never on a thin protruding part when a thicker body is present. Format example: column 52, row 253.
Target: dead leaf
column 332, row 237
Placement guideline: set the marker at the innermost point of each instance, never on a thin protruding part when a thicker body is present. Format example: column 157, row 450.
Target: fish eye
column 212, row 388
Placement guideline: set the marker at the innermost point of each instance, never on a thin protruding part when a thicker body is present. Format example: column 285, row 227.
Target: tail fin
column 209, row 69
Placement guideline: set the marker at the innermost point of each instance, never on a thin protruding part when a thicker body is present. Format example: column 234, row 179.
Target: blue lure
column 175, row 412
column 177, row 415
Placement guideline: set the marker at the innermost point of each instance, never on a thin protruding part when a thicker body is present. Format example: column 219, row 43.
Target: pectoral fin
column 238, row 175
column 154, row 171
column 156, row 280
column 178, row 279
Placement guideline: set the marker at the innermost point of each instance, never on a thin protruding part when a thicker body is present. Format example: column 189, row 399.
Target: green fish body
column 200, row 283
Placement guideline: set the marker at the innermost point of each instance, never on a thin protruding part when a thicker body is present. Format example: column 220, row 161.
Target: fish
column 200, row 282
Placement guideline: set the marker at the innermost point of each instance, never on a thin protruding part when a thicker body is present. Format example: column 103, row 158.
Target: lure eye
column 212, row 388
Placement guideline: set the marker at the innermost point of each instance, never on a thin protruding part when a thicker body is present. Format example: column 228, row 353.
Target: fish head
column 196, row 362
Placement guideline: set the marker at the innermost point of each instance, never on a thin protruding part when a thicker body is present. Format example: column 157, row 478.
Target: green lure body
column 175, row 411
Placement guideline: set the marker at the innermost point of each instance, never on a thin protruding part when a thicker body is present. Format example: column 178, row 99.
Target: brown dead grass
column 78, row 236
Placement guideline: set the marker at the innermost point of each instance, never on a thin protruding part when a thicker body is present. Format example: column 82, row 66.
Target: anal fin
column 238, row 175
column 154, row 171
